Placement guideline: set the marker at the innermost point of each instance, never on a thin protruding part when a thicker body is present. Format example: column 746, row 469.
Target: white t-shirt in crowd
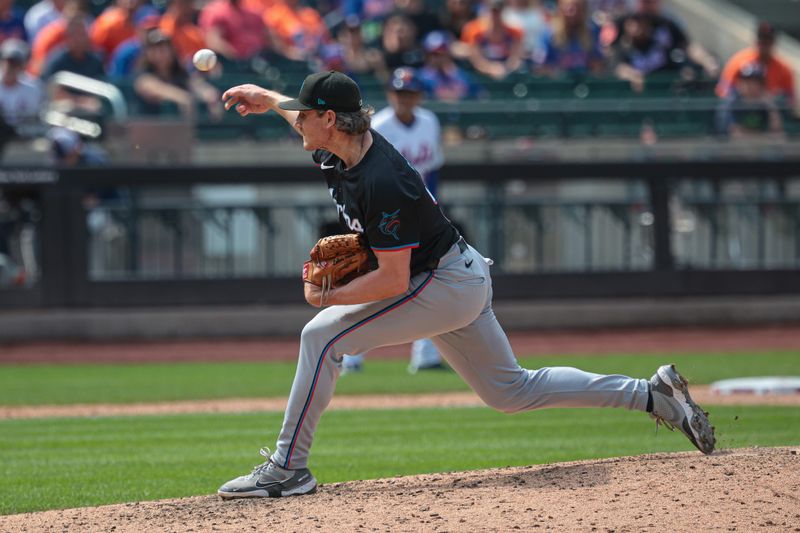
column 20, row 103
column 38, row 16
column 534, row 27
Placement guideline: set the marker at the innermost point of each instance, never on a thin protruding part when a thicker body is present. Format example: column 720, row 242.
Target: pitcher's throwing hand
column 247, row 99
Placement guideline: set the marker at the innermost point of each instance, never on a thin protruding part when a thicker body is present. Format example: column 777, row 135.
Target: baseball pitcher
column 428, row 283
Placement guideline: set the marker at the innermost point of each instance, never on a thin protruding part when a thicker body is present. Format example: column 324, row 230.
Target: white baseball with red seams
column 204, row 59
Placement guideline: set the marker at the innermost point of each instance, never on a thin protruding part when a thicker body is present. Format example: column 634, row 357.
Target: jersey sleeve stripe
column 396, row 248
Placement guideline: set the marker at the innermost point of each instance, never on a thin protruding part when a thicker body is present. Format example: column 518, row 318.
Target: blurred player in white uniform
column 415, row 133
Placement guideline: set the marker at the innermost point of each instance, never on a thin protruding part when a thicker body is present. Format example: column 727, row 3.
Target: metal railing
column 192, row 240
column 147, row 236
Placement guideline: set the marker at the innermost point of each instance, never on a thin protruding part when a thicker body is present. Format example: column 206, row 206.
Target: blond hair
column 559, row 24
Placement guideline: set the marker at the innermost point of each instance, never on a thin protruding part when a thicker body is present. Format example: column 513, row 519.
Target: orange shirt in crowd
column 260, row 6
column 779, row 80
column 111, row 28
column 48, row 39
column 476, row 32
column 239, row 26
column 186, row 38
column 302, row 27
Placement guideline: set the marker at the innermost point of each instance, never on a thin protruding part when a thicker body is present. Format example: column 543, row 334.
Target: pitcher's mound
column 753, row 489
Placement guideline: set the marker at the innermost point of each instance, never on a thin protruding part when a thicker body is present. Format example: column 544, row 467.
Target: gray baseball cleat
column 269, row 480
column 673, row 407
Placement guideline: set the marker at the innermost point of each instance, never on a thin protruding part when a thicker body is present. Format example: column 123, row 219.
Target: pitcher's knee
column 504, row 403
column 317, row 332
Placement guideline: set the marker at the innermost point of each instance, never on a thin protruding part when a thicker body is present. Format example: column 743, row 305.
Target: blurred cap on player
column 326, row 90
column 405, row 79
column 436, row 41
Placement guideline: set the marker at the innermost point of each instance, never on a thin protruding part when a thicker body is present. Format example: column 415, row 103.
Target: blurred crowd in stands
column 459, row 47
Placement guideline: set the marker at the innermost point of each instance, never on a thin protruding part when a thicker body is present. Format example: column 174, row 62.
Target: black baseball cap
column 326, row 90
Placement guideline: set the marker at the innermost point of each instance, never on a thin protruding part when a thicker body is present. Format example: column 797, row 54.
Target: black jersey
column 385, row 199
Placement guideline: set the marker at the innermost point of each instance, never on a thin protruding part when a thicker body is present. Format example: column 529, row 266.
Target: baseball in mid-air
column 204, row 59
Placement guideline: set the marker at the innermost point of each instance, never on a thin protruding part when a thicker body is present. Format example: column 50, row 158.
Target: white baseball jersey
column 420, row 143
column 21, row 102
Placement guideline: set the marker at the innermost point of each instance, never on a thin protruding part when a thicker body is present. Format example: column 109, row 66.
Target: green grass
column 64, row 384
column 58, row 463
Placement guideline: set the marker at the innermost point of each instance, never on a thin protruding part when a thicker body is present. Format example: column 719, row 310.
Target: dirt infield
column 701, row 394
column 740, row 490
column 652, row 340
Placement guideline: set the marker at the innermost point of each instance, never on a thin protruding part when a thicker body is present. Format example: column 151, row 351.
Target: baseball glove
column 335, row 261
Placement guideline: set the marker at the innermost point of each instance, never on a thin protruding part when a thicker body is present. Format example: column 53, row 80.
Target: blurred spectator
column 259, row 6
column 52, row 36
column 348, row 53
column 573, row 45
column 495, row 47
column 232, row 30
column 41, row 14
column 530, row 17
column 637, row 52
column 601, row 11
column 605, row 14
column 177, row 23
column 372, row 13
column 11, row 22
column 442, row 78
column 20, row 94
column 424, row 20
column 297, row 31
column 671, row 45
column 399, row 43
column 162, row 80
column 455, row 16
column 69, row 150
column 368, row 9
column 20, row 215
column 778, row 81
column 123, row 60
column 77, row 57
column 114, row 26
column 749, row 108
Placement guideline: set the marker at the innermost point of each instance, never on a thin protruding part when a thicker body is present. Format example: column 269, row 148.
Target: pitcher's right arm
column 251, row 99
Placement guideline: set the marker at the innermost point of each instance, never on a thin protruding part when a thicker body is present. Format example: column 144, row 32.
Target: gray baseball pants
column 452, row 305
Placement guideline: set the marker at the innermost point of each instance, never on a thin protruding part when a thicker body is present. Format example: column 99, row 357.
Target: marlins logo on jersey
column 390, row 223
